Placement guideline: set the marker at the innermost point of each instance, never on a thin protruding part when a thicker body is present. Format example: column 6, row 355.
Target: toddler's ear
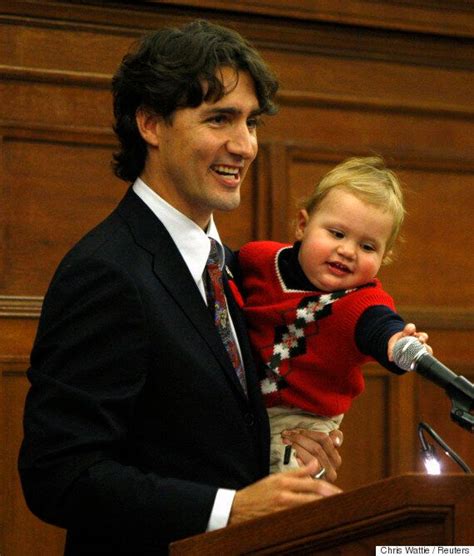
column 387, row 258
column 301, row 222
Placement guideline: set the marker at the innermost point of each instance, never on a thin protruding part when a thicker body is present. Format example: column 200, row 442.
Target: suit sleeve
column 88, row 369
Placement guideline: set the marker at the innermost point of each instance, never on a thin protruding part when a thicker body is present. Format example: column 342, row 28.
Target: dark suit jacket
column 135, row 415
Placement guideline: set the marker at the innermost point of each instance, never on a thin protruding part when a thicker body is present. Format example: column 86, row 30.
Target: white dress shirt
column 194, row 245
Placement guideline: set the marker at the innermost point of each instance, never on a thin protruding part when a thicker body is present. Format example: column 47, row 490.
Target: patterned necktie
column 218, row 307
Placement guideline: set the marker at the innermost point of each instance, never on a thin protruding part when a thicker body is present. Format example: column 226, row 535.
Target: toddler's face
column 343, row 241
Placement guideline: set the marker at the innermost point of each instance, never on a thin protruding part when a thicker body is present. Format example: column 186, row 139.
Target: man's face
column 203, row 156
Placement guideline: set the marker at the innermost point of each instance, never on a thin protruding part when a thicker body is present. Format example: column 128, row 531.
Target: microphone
column 411, row 355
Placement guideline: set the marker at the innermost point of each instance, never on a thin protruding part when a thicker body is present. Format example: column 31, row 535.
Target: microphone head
column 407, row 351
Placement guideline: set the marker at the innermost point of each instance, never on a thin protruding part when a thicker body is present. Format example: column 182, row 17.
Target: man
column 138, row 430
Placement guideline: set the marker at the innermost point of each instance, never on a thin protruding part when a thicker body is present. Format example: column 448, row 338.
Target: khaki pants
column 284, row 418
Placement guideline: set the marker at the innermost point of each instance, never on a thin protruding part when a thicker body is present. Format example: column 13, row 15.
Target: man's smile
column 225, row 170
column 231, row 174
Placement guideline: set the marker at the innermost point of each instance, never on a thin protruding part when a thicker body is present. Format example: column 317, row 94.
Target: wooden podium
column 412, row 509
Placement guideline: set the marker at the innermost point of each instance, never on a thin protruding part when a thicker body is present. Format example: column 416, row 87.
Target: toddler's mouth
column 340, row 267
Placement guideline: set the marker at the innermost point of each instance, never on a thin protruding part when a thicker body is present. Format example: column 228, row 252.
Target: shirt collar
column 192, row 242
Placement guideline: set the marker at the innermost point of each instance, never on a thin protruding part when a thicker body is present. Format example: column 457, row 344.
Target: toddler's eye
column 337, row 234
column 368, row 247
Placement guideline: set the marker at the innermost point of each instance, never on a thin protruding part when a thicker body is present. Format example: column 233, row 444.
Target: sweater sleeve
column 375, row 327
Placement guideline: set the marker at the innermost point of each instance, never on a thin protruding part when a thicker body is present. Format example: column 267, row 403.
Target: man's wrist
column 221, row 509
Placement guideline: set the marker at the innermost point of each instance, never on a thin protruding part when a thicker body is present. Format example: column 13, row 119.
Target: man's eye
column 218, row 119
column 253, row 123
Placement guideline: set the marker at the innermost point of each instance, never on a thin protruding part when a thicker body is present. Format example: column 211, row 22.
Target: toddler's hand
column 409, row 330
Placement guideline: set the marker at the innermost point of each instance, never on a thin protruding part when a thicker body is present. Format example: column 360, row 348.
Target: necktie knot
column 213, row 253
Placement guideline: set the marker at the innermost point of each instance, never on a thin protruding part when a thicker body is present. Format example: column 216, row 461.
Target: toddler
column 316, row 311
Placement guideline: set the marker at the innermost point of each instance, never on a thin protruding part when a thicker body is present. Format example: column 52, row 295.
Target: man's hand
column 279, row 492
column 313, row 445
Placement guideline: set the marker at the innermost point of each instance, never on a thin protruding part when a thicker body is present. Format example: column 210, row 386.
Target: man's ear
column 301, row 222
column 149, row 126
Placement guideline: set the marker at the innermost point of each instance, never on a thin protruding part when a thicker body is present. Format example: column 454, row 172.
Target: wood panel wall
column 391, row 77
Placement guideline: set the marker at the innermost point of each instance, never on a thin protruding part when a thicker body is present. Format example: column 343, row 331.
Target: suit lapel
column 174, row 275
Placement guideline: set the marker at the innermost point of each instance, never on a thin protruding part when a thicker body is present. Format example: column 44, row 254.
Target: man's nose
column 242, row 142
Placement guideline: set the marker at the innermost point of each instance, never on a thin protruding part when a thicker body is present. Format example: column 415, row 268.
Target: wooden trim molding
column 19, row 306
column 15, row 366
column 367, row 32
column 285, row 96
column 440, row 318
column 424, row 16
column 421, row 160
column 318, row 100
column 59, row 77
column 33, row 131
column 429, row 16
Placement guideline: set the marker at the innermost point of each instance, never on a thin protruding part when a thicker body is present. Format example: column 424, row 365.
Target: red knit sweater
column 304, row 339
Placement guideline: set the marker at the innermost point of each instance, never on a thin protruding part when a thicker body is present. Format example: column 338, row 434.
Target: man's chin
column 228, row 204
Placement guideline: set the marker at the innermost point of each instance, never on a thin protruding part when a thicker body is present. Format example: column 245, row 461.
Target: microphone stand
column 461, row 393
column 428, row 450
column 408, row 354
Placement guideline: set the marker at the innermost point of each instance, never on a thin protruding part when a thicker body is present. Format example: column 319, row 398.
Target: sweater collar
column 290, row 269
